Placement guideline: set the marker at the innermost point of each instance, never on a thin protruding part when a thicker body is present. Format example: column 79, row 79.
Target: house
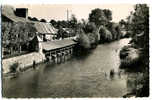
column 9, row 14
column 24, row 30
column 46, row 31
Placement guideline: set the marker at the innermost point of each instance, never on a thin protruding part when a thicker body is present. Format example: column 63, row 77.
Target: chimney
column 22, row 12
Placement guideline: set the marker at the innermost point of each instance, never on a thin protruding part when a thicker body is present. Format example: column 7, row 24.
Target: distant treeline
column 98, row 29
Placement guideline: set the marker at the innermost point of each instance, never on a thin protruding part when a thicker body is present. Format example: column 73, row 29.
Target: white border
column 72, row 1
column 88, row 2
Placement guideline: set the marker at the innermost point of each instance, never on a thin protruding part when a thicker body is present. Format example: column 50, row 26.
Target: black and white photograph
column 75, row 50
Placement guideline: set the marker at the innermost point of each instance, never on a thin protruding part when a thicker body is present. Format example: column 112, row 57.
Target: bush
column 105, row 35
column 114, row 28
column 83, row 39
column 13, row 67
column 87, row 35
column 89, row 27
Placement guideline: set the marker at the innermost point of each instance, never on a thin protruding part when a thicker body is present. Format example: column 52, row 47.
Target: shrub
column 105, row 35
column 13, row 67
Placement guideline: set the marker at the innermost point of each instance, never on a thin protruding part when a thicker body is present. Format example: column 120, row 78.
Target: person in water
column 34, row 64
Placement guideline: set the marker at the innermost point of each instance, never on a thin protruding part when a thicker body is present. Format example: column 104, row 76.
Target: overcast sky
column 59, row 12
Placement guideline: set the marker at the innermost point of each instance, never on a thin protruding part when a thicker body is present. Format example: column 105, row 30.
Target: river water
column 79, row 77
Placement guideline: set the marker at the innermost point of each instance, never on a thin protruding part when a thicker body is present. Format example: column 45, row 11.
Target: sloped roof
column 41, row 27
column 44, row 28
column 52, row 45
column 8, row 11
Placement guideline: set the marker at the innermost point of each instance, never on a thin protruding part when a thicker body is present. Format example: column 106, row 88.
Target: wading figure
column 34, row 64
column 112, row 72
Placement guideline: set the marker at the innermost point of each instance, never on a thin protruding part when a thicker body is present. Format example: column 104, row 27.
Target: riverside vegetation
column 135, row 57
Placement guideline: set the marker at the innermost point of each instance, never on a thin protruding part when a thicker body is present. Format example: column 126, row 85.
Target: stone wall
column 23, row 60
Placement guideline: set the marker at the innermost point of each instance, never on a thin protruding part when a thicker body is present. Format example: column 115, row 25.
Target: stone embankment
column 23, row 61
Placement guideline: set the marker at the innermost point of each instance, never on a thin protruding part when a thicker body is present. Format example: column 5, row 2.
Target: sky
column 59, row 11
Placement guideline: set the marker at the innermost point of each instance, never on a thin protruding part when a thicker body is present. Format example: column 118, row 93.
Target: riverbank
column 133, row 61
column 21, row 63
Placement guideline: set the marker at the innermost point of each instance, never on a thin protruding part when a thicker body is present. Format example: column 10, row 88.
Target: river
column 78, row 77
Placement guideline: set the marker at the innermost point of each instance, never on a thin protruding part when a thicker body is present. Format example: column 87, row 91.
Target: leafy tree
column 33, row 19
column 62, row 23
column 139, row 26
column 114, row 28
column 43, row 20
column 98, row 17
column 82, row 38
column 16, row 34
column 30, row 18
column 108, row 14
column 73, row 21
column 105, row 34
column 90, row 27
column 54, row 23
column 122, row 23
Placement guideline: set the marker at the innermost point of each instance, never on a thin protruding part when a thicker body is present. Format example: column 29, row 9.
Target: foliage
column 115, row 30
column 140, row 23
column 43, row 20
column 16, row 35
column 105, row 35
column 33, row 19
column 63, row 24
column 122, row 22
column 17, row 32
column 98, row 17
column 109, row 30
column 138, row 26
column 83, row 39
column 54, row 23
column 13, row 67
column 89, row 34
column 89, row 27
column 73, row 22
column 108, row 14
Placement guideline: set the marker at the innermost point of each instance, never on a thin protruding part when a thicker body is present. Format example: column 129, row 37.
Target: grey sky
column 59, row 11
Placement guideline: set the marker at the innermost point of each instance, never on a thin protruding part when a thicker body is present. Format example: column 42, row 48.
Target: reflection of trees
column 131, row 84
column 135, row 83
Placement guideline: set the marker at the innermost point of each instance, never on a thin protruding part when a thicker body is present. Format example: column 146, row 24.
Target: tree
column 62, row 23
column 73, row 21
column 122, row 23
column 84, row 22
column 90, row 27
column 108, row 14
column 43, row 20
column 33, row 19
column 98, row 17
column 30, row 18
column 54, row 23
column 139, row 26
